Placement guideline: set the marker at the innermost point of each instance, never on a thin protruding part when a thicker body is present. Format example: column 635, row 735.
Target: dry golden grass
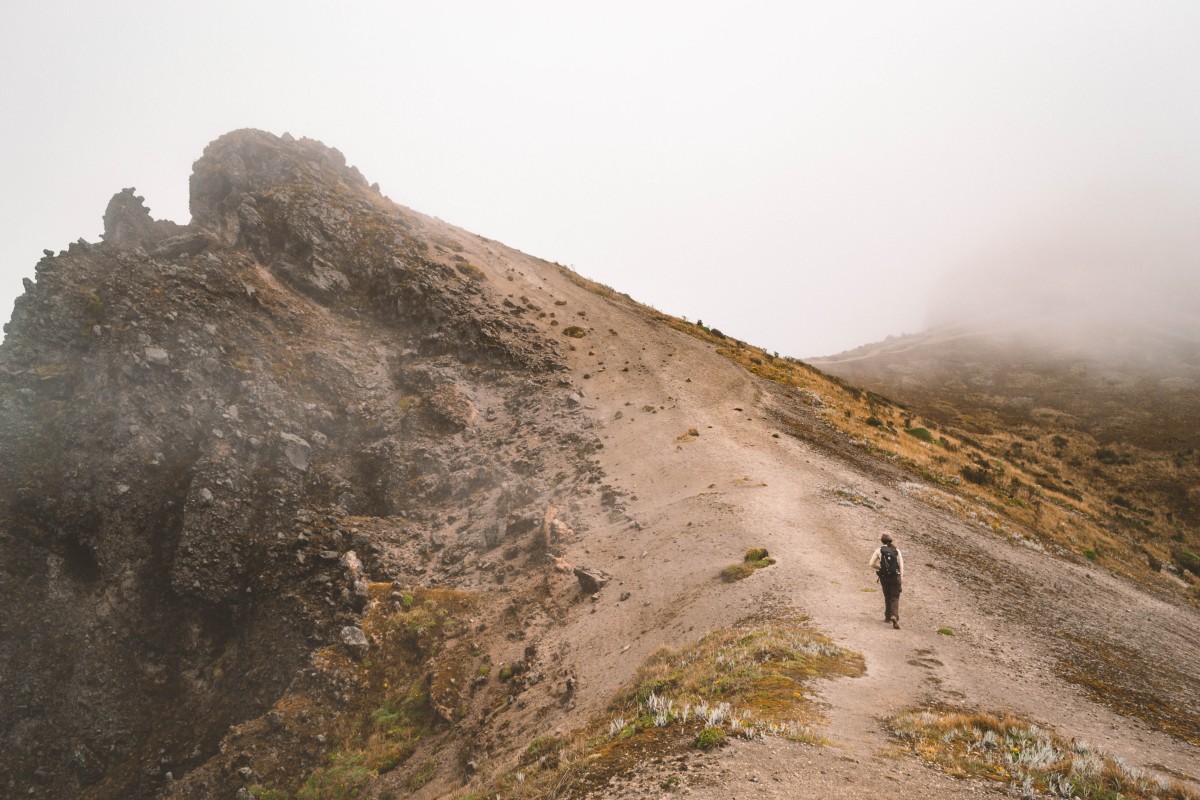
column 751, row 681
column 1015, row 751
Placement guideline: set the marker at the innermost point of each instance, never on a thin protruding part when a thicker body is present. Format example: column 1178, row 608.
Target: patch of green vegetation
column 1090, row 554
column 344, row 777
column 920, row 433
column 758, row 557
column 393, row 708
column 709, row 737
column 542, row 749
column 755, row 558
column 260, row 792
column 945, row 631
column 1031, row 758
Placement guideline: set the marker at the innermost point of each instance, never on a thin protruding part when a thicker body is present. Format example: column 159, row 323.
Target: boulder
column 296, row 451
column 591, row 580
column 157, row 356
column 355, row 641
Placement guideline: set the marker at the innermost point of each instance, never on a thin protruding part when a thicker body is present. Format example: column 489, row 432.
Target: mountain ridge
column 318, row 494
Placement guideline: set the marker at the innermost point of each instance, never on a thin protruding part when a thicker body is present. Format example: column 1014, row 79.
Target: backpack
column 889, row 561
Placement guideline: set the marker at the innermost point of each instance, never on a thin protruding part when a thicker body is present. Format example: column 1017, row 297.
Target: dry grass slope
column 750, row 681
column 1036, row 761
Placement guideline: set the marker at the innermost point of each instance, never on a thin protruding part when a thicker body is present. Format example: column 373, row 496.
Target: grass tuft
column 1033, row 759
column 756, row 558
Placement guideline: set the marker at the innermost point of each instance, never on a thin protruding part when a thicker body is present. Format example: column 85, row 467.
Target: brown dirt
column 693, row 504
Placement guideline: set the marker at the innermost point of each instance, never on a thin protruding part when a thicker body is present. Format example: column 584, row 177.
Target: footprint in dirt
column 925, row 660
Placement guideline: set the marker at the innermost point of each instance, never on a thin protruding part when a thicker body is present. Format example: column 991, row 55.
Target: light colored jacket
column 874, row 562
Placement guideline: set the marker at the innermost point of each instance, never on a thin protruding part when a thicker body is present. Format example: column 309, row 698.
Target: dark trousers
column 891, row 595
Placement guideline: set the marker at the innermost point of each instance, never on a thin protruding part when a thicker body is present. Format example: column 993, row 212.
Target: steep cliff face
column 200, row 423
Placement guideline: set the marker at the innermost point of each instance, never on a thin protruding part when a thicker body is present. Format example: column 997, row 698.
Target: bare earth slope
column 460, row 452
column 700, row 503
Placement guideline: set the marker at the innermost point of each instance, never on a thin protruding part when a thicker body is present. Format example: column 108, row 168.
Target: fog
column 1121, row 264
column 808, row 177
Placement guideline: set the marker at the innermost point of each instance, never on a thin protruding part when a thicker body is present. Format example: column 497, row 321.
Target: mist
column 801, row 176
column 1106, row 276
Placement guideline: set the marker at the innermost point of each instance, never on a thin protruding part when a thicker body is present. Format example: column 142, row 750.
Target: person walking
column 888, row 564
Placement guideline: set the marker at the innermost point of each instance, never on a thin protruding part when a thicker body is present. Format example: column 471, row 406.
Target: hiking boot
column 896, row 623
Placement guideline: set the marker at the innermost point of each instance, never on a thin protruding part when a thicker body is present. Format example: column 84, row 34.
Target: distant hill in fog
column 1135, row 382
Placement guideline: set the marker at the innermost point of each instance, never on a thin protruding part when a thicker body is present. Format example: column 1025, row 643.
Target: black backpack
column 889, row 561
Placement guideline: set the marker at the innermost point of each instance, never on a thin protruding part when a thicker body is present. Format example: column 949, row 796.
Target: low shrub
column 980, row 476
column 711, row 736
column 1187, row 561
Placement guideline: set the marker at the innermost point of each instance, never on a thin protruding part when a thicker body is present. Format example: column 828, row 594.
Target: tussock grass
column 1035, row 760
column 751, row 681
column 756, row 558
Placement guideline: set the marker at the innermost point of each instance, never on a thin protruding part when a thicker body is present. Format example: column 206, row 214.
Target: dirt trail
column 698, row 501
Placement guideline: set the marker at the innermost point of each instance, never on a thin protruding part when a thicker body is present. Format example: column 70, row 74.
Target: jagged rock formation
column 319, row 497
column 200, row 425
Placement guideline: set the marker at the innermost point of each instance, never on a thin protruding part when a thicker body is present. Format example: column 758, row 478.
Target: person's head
column 886, row 538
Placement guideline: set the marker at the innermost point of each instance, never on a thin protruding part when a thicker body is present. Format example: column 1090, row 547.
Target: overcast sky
column 801, row 175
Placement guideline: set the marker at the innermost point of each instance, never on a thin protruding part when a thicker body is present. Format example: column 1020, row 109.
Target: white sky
column 800, row 175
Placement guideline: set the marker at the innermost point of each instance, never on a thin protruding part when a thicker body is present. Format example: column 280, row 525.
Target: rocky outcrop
column 312, row 220
column 128, row 224
column 199, row 423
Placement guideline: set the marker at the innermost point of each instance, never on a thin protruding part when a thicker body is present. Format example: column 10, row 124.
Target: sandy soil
column 694, row 505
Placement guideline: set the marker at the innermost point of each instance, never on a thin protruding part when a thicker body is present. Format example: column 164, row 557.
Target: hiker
column 889, row 566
